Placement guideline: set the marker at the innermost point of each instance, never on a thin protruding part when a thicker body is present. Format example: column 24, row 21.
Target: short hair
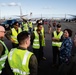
column 39, row 24
column 15, row 22
column 69, row 31
column 22, row 36
column 58, row 26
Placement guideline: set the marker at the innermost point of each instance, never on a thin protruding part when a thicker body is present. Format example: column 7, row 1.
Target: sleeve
column 68, row 48
column 32, row 38
column 7, row 68
column 8, row 34
column 33, row 65
column 1, row 49
column 52, row 34
column 61, row 38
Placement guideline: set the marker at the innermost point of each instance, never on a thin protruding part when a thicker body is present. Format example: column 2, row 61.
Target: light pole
column 2, row 5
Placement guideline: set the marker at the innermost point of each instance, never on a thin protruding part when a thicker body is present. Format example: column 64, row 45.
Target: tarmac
column 45, row 67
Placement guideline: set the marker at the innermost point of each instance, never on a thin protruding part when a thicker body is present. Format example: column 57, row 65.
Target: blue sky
column 38, row 7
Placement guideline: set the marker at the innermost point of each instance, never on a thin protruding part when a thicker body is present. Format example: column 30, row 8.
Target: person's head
column 29, row 20
column 2, row 32
column 39, row 26
column 24, row 20
column 67, row 33
column 58, row 27
column 16, row 25
column 24, row 38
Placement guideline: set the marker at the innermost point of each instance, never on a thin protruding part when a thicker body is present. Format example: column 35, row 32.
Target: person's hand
column 13, row 41
column 55, row 39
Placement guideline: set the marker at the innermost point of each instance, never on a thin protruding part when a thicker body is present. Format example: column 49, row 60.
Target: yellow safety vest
column 3, row 57
column 30, row 24
column 14, row 34
column 43, row 39
column 25, row 27
column 58, row 44
column 36, row 44
column 19, row 61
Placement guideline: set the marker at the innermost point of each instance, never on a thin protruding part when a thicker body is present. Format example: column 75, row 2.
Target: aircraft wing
column 72, row 15
column 20, row 15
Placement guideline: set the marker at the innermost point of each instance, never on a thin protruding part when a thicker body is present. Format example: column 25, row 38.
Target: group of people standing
column 19, row 60
column 61, row 45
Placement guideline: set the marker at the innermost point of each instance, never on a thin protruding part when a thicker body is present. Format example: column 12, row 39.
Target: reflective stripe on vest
column 20, row 72
column 0, row 71
column 14, row 34
column 25, row 58
column 36, row 44
column 58, row 44
column 43, row 39
column 19, row 65
column 3, row 57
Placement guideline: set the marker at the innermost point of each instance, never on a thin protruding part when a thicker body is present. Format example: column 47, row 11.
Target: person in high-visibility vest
column 43, row 33
column 30, row 25
column 38, row 42
column 22, row 61
column 57, row 37
column 3, row 51
column 25, row 25
column 12, row 34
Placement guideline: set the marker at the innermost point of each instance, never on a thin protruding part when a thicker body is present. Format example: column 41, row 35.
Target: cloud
column 14, row 4
column 46, row 8
column 11, row 4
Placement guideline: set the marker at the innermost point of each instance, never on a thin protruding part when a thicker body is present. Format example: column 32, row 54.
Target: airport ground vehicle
column 7, row 24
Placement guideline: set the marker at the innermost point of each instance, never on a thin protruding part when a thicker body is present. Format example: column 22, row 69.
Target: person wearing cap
column 20, row 60
column 56, row 44
column 12, row 34
column 3, row 51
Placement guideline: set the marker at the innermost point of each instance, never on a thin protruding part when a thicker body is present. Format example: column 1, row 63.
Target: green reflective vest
column 36, row 44
column 58, row 44
column 19, row 61
column 3, row 57
column 30, row 24
column 15, row 33
column 43, row 38
column 25, row 26
column 42, row 32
